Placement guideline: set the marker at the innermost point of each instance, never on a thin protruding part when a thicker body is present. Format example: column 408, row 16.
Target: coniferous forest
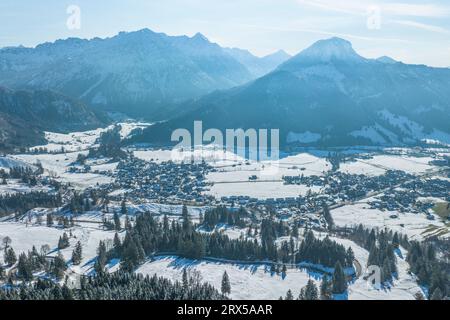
column 116, row 286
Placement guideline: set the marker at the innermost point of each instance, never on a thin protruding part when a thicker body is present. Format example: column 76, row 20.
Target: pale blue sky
column 414, row 31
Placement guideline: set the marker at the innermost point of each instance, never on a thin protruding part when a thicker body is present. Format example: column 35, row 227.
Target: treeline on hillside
column 429, row 270
column 109, row 145
column 23, row 202
column 325, row 252
column 116, row 286
column 223, row 215
column 381, row 246
column 83, row 202
column 148, row 237
column 30, row 263
column 24, row 174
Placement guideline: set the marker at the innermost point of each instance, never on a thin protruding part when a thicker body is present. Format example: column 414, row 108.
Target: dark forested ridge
column 24, row 115
column 116, row 286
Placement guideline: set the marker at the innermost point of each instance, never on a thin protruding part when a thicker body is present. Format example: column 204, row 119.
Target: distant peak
column 386, row 59
column 145, row 30
column 200, row 36
column 280, row 53
column 139, row 33
column 330, row 49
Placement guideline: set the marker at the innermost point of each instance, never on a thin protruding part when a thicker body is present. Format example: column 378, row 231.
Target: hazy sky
column 414, row 31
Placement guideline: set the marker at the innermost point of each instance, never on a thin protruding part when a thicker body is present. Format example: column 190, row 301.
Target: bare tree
column 45, row 248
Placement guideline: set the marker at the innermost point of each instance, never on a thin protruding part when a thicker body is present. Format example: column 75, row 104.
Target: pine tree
column 63, row 242
column 350, row 256
column 225, row 287
column 326, row 289
column 2, row 272
column 309, row 292
column 396, row 241
column 295, row 233
column 186, row 220
column 59, row 266
column 128, row 225
column 10, row 257
column 77, row 254
column 437, row 295
column 386, row 272
column 49, row 220
column 66, row 293
column 328, row 217
column 117, row 245
column 289, row 295
column 123, row 208
column 339, row 281
column 101, row 261
column 117, row 224
column 419, row 296
column 24, row 270
column 185, row 280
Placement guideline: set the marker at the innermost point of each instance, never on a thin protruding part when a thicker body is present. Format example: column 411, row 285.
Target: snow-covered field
column 231, row 178
column 260, row 190
column 71, row 142
column 403, row 288
column 79, row 141
column 379, row 164
column 24, row 236
column 254, row 282
column 7, row 163
column 415, row 226
column 56, row 165
column 15, row 186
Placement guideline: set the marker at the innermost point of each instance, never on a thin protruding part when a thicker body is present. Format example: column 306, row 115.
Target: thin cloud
column 422, row 26
column 416, row 10
column 330, row 33
column 349, row 7
column 397, row 9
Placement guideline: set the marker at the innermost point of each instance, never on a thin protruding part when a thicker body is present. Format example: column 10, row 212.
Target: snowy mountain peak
column 323, row 51
column 330, row 49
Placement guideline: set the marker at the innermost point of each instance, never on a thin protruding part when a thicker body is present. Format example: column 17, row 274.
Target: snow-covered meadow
column 415, row 226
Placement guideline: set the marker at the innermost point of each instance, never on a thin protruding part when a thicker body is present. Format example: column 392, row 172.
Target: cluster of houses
column 164, row 182
column 306, row 203
column 350, row 187
column 407, row 198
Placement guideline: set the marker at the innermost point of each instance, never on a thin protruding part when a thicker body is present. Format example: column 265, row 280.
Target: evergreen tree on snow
column 77, row 254
column 225, row 287
column 326, row 289
column 289, row 295
column 339, row 280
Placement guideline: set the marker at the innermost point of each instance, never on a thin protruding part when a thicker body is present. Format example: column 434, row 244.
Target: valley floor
column 230, row 178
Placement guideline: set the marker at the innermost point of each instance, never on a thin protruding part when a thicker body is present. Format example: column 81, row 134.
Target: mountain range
column 329, row 95
column 326, row 95
column 138, row 73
